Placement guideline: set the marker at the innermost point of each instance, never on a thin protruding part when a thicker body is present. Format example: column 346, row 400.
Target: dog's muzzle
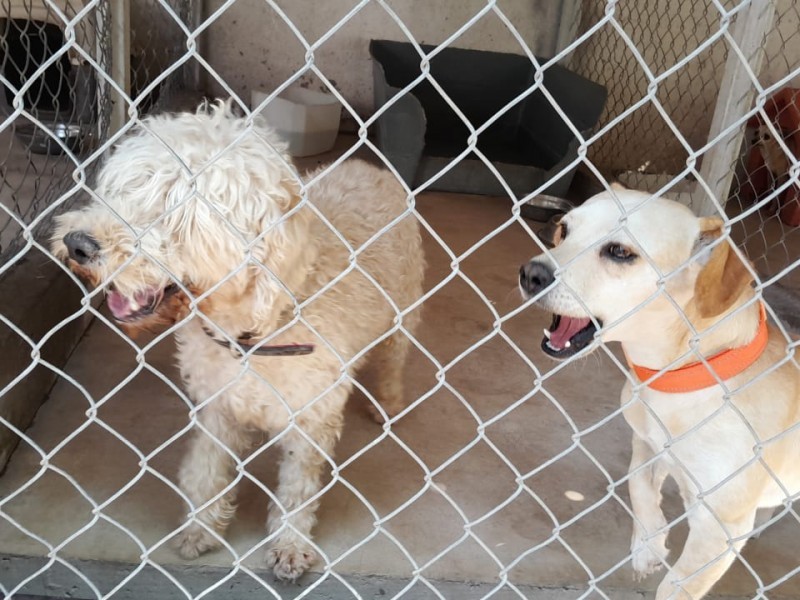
column 567, row 335
column 82, row 247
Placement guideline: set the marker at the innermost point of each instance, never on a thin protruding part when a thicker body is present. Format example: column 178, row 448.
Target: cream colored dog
column 200, row 221
column 655, row 277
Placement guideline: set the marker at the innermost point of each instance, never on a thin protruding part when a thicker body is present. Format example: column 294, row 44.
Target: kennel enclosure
column 506, row 472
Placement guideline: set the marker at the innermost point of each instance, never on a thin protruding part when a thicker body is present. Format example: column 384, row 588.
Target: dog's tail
column 785, row 301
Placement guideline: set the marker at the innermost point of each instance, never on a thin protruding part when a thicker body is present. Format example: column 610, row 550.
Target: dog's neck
column 671, row 347
column 261, row 298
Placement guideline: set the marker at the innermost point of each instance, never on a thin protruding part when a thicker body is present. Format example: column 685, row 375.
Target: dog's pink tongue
column 567, row 327
column 118, row 304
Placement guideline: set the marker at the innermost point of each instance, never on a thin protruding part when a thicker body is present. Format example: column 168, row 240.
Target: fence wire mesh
column 505, row 475
column 157, row 42
column 665, row 34
column 56, row 107
column 50, row 107
column 764, row 171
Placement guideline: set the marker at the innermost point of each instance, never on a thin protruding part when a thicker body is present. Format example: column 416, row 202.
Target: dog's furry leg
column 389, row 359
column 207, row 469
column 648, row 543
column 290, row 520
column 707, row 554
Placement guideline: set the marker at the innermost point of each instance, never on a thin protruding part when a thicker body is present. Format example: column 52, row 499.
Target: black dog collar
column 243, row 346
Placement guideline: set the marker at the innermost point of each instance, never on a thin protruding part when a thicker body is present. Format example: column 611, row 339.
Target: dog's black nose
column 535, row 276
column 81, row 246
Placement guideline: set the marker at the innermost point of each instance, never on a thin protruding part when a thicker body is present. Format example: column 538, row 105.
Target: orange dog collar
column 699, row 375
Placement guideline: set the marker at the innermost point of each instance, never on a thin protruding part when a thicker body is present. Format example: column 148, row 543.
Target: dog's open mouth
column 131, row 309
column 567, row 336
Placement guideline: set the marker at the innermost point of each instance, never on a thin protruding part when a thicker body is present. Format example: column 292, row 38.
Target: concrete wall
column 40, row 299
column 250, row 47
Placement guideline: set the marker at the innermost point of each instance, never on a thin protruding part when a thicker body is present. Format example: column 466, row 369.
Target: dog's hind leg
column 292, row 517
column 648, row 543
column 707, row 554
column 388, row 360
column 205, row 475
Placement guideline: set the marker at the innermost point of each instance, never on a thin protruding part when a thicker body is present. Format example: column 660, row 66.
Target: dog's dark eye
column 560, row 233
column 619, row 253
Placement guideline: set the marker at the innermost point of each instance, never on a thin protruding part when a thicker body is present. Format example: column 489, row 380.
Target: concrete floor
column 526, row 484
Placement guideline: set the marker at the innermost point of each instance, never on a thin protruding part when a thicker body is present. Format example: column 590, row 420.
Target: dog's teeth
column 567, row 345
column 546, row 333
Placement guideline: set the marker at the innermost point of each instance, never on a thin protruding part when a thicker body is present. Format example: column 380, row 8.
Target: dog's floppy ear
column 723, row 277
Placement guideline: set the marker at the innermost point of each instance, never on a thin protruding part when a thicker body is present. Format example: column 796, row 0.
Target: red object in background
column 783, row 109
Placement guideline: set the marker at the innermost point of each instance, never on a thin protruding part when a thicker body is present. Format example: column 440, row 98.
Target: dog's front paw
column 648, row 555
column 194, row 541
column 290, row 560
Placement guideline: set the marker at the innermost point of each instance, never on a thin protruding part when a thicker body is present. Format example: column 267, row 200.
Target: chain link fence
column 158, row 42
column 51, row 108
column 56, row 74
column 763, row 176
column 665, row 34
column 641, row 151
column 506, row 475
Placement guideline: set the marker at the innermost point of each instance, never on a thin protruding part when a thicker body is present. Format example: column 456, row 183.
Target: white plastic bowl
column 307, row 120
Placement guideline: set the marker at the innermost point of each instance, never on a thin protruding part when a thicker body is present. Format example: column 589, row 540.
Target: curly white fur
column 211, row 201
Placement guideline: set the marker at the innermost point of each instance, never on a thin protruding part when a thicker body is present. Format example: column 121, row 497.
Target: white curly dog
column 199, row 220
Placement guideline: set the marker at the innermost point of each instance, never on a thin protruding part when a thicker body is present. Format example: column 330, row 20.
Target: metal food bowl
column 40, row 142
column 543, row 208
